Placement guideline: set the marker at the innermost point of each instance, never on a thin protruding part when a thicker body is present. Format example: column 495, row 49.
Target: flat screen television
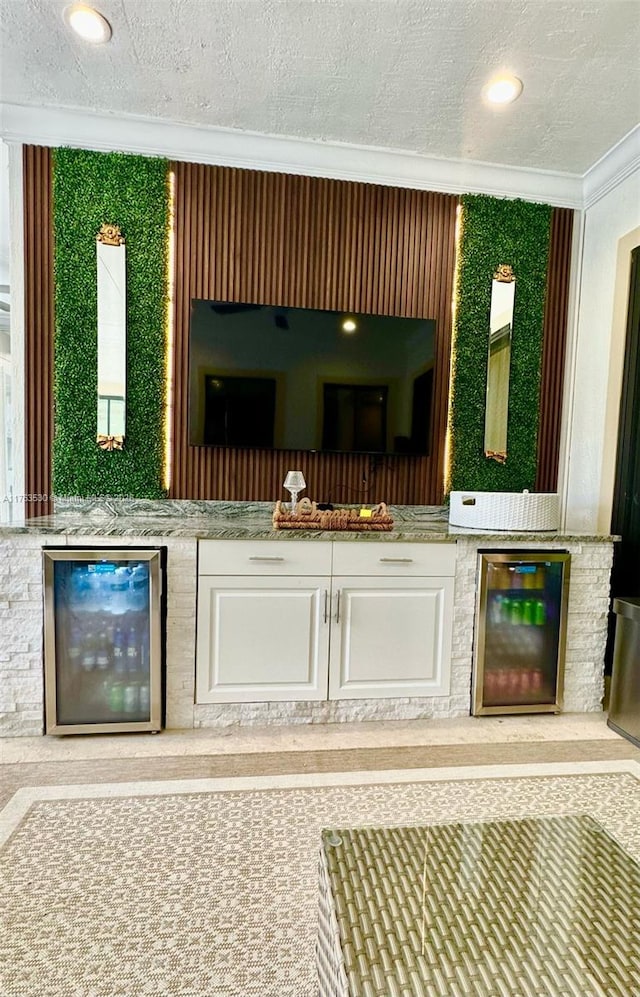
column 306, row 379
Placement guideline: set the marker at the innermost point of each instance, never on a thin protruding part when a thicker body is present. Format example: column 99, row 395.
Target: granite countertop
column 249, row 521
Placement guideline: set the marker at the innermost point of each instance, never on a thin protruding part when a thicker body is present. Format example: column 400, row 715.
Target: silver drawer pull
column 397, row 560
column 262, row 557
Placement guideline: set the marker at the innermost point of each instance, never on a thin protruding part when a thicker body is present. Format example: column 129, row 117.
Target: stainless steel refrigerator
column 624, row 701
column 520, row 632
column 102, row 640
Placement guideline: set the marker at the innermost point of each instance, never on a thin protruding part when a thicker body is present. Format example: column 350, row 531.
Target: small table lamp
column 294, row 483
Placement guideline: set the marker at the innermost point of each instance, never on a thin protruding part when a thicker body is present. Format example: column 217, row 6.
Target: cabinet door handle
column 326, row 605
column 396, row 560
column 338, row 607
column 260, row 557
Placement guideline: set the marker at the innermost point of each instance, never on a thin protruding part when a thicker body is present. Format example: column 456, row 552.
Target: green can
column 515, row 614
column 540, row 613
column 528, row 612
column 116, row 697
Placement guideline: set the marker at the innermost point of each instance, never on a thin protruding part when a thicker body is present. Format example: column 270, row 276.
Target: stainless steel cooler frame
column 49, row 557
column 513, row 557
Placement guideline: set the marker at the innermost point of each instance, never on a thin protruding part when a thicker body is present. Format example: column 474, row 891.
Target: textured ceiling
column 389, row 73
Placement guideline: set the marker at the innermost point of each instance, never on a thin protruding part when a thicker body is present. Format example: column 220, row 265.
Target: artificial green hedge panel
column 91, row 188
column 496, row 231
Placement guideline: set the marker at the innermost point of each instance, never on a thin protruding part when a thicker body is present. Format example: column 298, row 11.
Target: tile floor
column 246, row 751
column 239, row 740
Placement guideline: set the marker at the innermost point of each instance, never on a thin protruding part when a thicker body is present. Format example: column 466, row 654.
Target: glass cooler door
column 520, row 632
column 102, row 641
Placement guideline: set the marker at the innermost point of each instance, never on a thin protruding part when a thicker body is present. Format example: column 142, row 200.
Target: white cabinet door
column 390, row 637
column 262, row 638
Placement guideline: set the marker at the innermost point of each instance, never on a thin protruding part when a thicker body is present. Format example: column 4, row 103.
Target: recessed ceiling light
column 348, row 325
column 87, row 23
column 503, row 89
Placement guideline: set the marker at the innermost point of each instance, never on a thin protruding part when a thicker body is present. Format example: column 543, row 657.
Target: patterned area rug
column 189, row 891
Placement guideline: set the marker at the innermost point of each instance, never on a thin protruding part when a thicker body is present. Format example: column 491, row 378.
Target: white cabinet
column 392, row 620
column 390, row 637
column 263, row 620
column 262, row 638
column 305, row 620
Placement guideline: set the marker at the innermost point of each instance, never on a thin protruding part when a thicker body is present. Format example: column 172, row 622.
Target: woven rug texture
column 216, row 894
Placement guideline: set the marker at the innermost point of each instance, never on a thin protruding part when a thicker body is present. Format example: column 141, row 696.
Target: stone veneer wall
column 21, row 681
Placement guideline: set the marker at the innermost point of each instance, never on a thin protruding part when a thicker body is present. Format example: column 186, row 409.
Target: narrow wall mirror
column 503, row 290
column 112, row 337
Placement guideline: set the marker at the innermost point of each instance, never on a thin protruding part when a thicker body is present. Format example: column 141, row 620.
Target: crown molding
column 226, row 147
column 620, row 162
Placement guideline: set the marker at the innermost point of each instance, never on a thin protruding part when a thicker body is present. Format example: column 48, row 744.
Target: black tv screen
column 307, row 379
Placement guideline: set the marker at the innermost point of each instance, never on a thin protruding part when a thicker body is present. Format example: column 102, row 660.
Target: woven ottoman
column 520, row 908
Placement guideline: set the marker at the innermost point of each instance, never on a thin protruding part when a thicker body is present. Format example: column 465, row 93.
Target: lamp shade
column 294, row 481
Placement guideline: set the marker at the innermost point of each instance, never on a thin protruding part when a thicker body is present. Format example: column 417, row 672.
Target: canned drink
column 496, row 609
column 88, row 660
column 103, row 653
column 528, row 612
column 75, row 647
column 130, row 699
column 116, row 698
column 540, row 613
column 144, row 698
column 513, row 681
column 516, row 611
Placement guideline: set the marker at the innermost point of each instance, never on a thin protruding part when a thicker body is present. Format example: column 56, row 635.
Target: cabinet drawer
column 371, row 558
column 264, row 557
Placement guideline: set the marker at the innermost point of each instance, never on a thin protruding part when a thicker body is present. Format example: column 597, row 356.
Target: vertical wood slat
column 554, row 349
column 39, row 327
column 307, row 242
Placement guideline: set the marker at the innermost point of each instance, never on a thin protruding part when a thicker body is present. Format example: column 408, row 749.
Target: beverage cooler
column 520, row 632
column 103, row 640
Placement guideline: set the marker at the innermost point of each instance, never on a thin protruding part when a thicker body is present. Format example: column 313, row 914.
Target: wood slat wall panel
column 304, row 242
column 308, row 242
column 554, row 349
column 39, row 327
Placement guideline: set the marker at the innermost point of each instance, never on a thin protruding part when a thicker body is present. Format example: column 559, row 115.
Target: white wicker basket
column 506, row 511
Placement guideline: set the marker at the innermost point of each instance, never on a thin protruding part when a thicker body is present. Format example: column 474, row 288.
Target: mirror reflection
column 503, row 289
column 112, row 352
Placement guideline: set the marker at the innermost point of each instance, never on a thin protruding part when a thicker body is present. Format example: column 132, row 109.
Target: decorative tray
column 308, row 517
